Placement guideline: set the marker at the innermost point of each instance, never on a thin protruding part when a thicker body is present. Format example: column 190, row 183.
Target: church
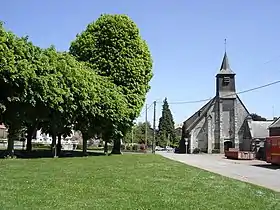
column 220, row 124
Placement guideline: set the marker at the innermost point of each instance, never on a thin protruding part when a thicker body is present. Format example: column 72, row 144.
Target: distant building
column 3, row 132
column 222, row 123
column 258, row 131
column 47, row 139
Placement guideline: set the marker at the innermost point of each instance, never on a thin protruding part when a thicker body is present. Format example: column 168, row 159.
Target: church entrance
column 227, row 145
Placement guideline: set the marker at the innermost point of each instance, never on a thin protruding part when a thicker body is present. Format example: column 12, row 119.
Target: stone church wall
column 198, row 136
column 211, row 127
column 228, row 118
column 242, row 115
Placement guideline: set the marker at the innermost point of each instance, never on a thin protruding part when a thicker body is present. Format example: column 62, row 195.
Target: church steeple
column 225, row 68
column 225, row 80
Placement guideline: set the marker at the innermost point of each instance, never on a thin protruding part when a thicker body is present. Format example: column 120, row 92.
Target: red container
column 273, row 150
column 240, row 155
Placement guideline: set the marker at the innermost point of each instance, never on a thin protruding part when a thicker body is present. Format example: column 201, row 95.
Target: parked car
column 176, row 150
column 158, row 148
column 169, row 149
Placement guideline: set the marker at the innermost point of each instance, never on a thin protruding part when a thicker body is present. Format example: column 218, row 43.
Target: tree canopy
column 137, row 134
column 257, row 117
column 113, row 47
column 98, row 88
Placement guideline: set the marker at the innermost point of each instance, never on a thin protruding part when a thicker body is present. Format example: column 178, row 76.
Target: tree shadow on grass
column 41, row 153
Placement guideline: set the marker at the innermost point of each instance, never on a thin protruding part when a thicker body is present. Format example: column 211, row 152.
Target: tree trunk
column 85, row 138
column 29, row 139
column 59, row 146
column 10, row 147
column 117, row 146
column 11, row 136
column 106, row 147
column 31, row 133
column 54, row 151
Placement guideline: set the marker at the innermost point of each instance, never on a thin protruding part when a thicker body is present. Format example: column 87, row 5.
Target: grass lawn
column 123, row 182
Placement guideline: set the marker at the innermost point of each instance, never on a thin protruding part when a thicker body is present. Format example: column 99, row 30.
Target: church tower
column 221, row 123
column 225, row 81
column 226, row 113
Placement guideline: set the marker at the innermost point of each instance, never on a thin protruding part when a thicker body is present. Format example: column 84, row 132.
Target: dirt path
column 255, row 172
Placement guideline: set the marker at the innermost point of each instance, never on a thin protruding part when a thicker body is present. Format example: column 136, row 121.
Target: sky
column 186, row 40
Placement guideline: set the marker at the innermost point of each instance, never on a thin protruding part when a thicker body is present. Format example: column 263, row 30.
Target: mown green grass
column 123, row 182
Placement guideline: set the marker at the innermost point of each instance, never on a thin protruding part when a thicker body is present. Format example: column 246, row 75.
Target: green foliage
column 99, row 91
column 257, row 117
column 128, row 147
column 113, row 47
column 166, row 132
column 40, row 146
column 137, row 134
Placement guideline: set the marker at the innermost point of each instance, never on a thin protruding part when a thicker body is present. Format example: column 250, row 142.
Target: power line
column 157, row 101
column 204, row 100
column 268, row 61
column 240, row 92
column 141, row 113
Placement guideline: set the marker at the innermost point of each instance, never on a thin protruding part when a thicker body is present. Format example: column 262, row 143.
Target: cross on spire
column 225, row 68
column 225, row 45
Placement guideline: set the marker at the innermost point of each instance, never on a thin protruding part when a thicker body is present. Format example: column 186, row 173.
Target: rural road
column 253, row 171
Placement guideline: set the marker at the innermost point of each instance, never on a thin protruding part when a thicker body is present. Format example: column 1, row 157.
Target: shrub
column 135, row 147
column 174, row 145
column 110, row 147
column 79, row 146
column 196, row 151
column 41, row 146
column 142, row 147
column 128, row 147
column 95, row 148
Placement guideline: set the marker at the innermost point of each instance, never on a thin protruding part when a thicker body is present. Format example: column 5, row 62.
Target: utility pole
column 154, row 127
column 146, row 126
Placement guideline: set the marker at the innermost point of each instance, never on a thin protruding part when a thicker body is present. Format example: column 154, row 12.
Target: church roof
column 195, row 118
column 225, row 68
column 192, row 121
column 275, row 124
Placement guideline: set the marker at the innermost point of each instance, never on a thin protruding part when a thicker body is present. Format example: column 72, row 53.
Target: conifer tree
column 166, row 126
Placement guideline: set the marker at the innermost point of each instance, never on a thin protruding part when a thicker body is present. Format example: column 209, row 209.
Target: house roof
column 259, row 129
column 276, row 123
column 225, row 68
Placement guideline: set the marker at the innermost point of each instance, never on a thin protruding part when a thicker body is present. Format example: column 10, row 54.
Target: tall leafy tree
column 16, row 75
column 137, row 133
column 40, row 88
column 113, row 47
column 166, row 126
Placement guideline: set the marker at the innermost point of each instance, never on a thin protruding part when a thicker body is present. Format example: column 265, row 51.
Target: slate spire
column 225, row 68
